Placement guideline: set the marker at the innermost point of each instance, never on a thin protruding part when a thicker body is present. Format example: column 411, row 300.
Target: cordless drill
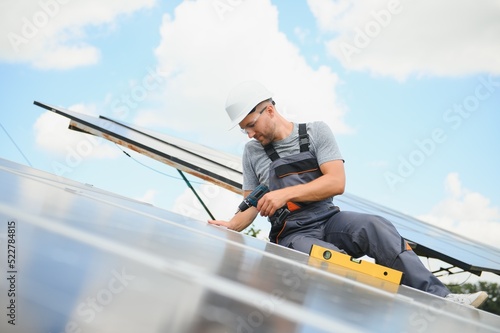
column 253, row 198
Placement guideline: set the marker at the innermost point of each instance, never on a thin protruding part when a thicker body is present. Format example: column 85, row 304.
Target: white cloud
column 465, row 212
column 148, row 197
column 49, row 33
column 68, row 57
column 402, row 38
column 52, row 135
column 202, row 61
column 222, row 203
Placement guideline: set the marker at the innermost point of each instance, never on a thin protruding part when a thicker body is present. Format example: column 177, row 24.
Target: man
column 302, row 164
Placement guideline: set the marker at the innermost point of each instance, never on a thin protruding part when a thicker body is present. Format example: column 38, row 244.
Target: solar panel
column 87, row 260
column 431, row 241
column 218, row 167
column 225, row 170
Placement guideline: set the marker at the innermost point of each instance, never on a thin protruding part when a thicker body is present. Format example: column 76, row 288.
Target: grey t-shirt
column 256, row 162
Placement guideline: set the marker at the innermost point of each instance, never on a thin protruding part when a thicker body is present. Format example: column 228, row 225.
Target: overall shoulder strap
column 271, row 152
column 303, row 142
column 303, row 138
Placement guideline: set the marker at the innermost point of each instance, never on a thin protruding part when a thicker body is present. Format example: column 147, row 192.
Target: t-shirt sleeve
column 324, row 143
column 250, row 180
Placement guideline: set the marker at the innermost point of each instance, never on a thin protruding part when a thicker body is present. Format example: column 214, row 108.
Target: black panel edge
column 424, row 251
column 154, row 151
column 168, row 143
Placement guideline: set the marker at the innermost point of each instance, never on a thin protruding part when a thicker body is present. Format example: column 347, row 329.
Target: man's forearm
column 321, row 188
column 330, row 184
column 242, row 220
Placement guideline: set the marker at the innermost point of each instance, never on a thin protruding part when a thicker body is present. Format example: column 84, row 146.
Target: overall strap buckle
column 303, row 138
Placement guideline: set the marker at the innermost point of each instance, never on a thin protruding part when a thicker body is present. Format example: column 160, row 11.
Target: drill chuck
column 253, row 198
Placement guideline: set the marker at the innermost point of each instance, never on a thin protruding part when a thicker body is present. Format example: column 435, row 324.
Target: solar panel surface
column 92, row 261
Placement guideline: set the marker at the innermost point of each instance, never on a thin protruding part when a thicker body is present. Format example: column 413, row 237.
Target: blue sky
column 411, row 92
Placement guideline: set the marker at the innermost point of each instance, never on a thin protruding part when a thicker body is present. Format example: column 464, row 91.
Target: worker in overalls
column 302, row 166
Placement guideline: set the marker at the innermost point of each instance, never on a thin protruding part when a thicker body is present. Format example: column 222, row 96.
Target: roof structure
column 225, row 170
column 87, row 260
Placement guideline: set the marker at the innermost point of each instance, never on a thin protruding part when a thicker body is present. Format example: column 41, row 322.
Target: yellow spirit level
column 366, row 267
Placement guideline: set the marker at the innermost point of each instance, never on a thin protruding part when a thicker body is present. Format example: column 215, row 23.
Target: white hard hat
column 243, row 98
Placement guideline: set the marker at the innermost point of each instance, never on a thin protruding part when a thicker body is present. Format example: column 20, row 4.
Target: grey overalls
column 323, row 223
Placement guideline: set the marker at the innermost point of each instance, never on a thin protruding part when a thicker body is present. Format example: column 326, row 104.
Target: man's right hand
column 219, row 223
column 239, row 221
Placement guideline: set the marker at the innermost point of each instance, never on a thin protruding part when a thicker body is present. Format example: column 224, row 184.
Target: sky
column 411, row 90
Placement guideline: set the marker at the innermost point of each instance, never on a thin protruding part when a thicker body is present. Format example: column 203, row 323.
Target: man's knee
column 375, row 220
column 304, row 244
column 301, row 243
column 377, row 224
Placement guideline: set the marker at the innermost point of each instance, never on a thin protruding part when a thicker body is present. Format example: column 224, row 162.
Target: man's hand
column 239, row 221
column 331, row 183
column 272, row 201
column 219, row 223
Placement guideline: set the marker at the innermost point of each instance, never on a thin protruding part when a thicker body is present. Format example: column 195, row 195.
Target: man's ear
column 270, row 110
